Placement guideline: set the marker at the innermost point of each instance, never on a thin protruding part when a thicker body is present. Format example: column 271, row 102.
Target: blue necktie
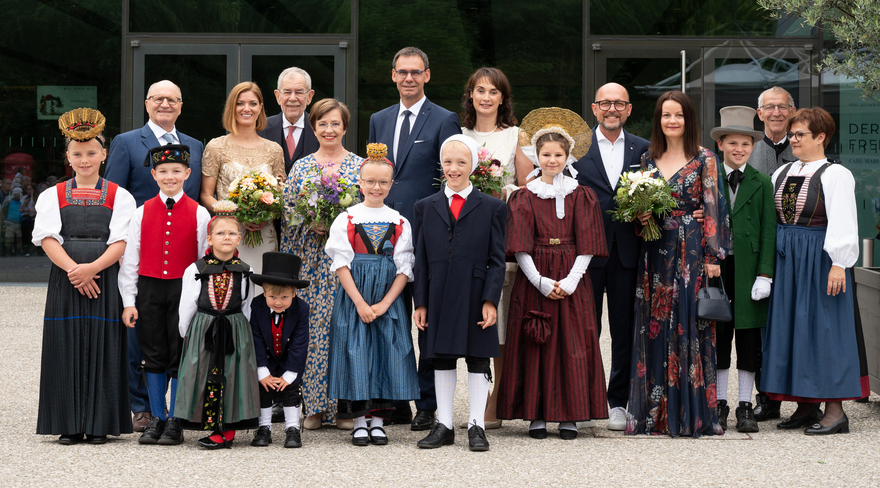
column 404, row 135
column 168, row 137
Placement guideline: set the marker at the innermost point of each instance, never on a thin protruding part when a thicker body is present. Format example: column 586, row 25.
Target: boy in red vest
column 166, row 234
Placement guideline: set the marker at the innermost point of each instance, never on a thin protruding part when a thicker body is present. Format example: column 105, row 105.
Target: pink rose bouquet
column 258, row 196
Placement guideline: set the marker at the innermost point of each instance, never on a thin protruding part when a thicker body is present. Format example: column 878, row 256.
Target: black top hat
column 281, row 268
column 169, row 153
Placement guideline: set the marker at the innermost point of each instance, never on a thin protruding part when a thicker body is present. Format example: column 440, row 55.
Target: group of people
column 480, row 276
column 18, row 199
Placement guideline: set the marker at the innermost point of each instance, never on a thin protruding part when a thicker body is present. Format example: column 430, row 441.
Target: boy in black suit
column 280, row 322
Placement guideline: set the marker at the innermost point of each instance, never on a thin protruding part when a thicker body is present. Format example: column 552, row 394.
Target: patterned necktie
column 168, row 138
column 291, row 144
column 734, row 178
column 404, row 135
column 169, row 203
column 455, row 206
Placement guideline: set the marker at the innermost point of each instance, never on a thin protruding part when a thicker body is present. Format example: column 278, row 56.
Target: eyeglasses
column 770, row 108
column 416, row 73
column 606, row 104
column 297, row 93
column 383, row 184
column 797, row 136
column 324, row 125
column 161, row 100
column 223, row 234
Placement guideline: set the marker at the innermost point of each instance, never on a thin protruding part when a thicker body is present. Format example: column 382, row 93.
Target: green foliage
column 855, row 24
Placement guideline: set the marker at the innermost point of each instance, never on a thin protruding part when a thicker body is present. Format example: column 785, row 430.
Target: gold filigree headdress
column 82, row 124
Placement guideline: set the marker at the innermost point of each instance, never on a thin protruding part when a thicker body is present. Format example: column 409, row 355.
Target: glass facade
column 105, row 53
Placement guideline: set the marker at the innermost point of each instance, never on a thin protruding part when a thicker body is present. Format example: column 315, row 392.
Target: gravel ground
column 597, row 457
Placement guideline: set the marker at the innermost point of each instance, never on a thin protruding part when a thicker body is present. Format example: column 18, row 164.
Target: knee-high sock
column 444, row 384
column 746, row 383
column 478, row 391
column 266, row 417
column 156, row 386
column 721, row 388
column 173, row 395
column 291, row 417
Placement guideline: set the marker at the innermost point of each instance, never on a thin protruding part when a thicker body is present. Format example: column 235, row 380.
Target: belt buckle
column 554, row 242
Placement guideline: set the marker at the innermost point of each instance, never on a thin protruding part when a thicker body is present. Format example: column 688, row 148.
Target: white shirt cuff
column 262, row 372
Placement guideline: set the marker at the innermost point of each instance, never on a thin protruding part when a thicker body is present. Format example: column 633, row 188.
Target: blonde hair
column 229, row 110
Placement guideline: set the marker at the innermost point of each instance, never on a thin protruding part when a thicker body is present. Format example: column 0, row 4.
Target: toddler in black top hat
column 280, row 323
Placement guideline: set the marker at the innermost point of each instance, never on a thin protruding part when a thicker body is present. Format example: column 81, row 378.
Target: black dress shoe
column 360, row 441
column 96, row 439
column 796, row 423
column 440, row 436
column 211, row 445
column 70, row 439
column 567, row 434
column 477, row 439
column 277, row 413
column 262, row 437
column 173, row 433
column 153, row 431
column 378, row 440
column 538, row 433
column 745, row 418
column 293, row 439
column 723, row 413
column 766, row 409
column 839, row 427
column 400, row 416
column 423, row 420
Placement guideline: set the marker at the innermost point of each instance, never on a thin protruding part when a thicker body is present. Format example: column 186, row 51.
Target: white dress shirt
column 415, row 109
column 159, row 132
column 298, row 127
column 339, row 248
column 48, row 219
column 449, row 192
column 612, row 155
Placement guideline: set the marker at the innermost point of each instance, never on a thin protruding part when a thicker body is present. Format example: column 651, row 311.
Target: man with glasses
column 291, row 127
column 775, row 107
column 127, row 166
column 413, row 130
column 613, row 152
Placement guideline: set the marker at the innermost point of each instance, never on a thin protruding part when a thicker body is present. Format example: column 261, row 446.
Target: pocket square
column 416, row 142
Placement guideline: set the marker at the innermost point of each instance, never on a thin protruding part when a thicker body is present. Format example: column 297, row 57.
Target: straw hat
column 570, row 122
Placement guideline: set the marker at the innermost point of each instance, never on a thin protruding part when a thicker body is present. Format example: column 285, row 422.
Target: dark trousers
column 474, row 365
column 158, row 304
column 748, row 341
column 288, row 397
column 428, row 400
column 619, row 283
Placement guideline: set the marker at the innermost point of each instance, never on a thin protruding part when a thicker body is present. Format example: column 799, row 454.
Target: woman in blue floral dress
column 672, row 390
column 329, row 118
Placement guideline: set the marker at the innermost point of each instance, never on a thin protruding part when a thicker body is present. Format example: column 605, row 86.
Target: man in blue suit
column 414, row 130
column 613, row 152
column 125, row 167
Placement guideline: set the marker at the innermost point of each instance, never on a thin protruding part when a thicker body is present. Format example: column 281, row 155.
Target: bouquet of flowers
column 259, row 200
column 322, row 198
column 489, row 176
column 639, row 192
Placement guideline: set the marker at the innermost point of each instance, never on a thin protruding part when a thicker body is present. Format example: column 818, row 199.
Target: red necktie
column 291, row 144
column 455, row 206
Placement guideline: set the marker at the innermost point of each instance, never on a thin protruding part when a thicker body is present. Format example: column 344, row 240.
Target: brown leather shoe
column 140, row 420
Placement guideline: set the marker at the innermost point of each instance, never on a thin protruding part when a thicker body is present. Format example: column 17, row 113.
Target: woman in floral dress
column 672, row 390
column 329, row 119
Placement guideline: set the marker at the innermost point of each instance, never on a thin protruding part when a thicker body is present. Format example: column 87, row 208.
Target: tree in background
column 855, row 25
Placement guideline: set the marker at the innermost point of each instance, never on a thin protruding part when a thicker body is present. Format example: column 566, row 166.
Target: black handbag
column 713, row 304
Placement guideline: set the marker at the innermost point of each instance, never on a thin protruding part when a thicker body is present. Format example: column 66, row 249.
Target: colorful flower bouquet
column 259, row 200
column 489, row 176
column 321, row 199
column 639, row 192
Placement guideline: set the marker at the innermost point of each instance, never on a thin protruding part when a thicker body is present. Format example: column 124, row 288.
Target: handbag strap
column 708, row 281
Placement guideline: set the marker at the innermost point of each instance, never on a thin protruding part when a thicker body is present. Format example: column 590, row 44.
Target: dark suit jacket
column 307, row 143
column 591, row 173
column 294, row 336
column 417, row 172
column 457, row 268
column 125, row 164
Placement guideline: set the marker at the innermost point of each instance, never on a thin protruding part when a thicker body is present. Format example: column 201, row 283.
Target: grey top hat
column 737, row 119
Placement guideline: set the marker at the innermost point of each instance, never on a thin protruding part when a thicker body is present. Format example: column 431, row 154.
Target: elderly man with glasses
column 775, row 107
column 291, row 128
column 126, row 167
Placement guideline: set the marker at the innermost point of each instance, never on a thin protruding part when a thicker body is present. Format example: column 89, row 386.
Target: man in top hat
column 166, row 234
column 125, row 167
column 748, row 269
column 280, row 323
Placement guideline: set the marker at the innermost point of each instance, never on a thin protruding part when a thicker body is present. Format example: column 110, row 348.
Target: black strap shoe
column 423, row 420
column 723, row 413
column 173, row 433
column 360, row 441
column 796, row 423
column 440, row 436
column 839, row 427
column 477, row 439
column 262, row 437
column 745, row 418
column 153, row 431
column 293, row 439
column 378, row 440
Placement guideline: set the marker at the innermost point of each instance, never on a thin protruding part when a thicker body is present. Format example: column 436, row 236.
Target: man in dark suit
column 125, row 167
column 613, row 152
column 291, row 127
column 414, row 130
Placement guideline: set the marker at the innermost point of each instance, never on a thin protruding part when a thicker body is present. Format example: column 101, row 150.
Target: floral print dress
column 672, row 389
column 320, row 295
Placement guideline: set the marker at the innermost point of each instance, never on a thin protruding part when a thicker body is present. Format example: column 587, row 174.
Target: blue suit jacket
column 294, row 336
column 125, row 164
column 591, row 173
column 417, row 170
column 307, row 143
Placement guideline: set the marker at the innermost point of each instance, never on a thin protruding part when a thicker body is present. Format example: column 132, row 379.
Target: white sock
column 721, row 388
column 360, row 422
column 537, row 424
column 377, row 423
column 746, row 383
column 567, row 426
column 444, row 385
column 291, row 417
column 266, row 417
column 478, row 391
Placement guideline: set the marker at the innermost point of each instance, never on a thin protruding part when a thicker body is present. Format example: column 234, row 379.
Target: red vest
column 169, row 238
